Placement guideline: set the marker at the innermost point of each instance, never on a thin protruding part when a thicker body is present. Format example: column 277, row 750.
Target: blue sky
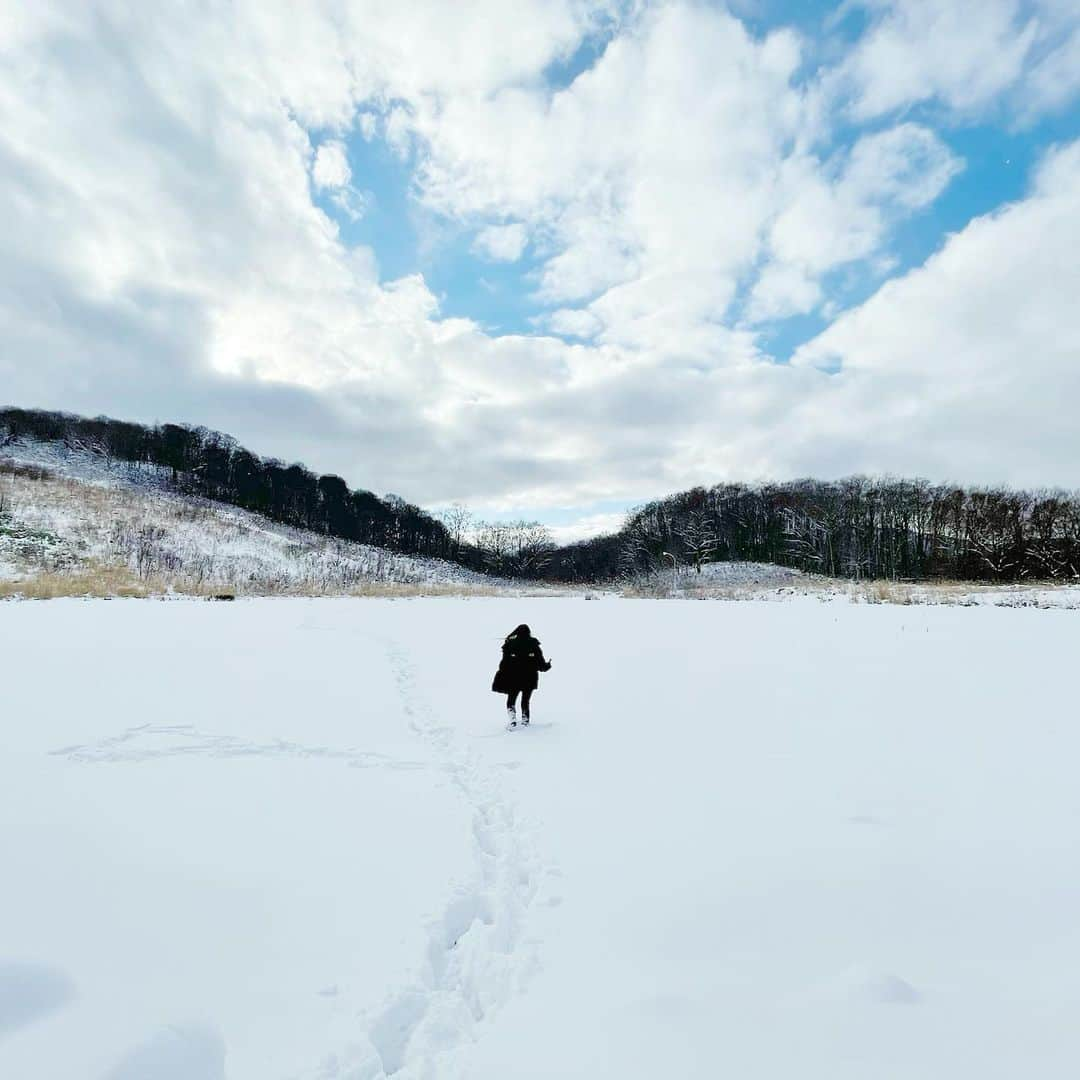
column 555, row 258
column 997, row 166
column 997, row 161
column 994, row 151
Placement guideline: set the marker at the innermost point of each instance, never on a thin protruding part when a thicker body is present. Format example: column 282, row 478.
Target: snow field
column 289, row 838
column 216, row 831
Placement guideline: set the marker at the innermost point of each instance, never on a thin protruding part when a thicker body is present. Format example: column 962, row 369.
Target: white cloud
column 655, row 223
column 585, row 528
column 573, row 322
column 781, row 290
column 922, row 49
column 624, row 177
column 501, row 243
column 965, row 57
column 908, row 166
column 1055, row 79
column 368, row 123
column 331, row 174
column 162, row 257
column 331, row 166
column 352, row 203
column 963, row 367
column 829, row 222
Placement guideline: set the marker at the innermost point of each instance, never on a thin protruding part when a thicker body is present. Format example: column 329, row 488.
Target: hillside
column 76, row 522
column 195, row 461
column 859, row 528
column 72, row 521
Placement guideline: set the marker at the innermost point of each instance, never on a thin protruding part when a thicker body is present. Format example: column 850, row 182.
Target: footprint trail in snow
column 478, row 955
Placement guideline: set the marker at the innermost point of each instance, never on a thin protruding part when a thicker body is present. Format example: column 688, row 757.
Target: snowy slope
column 89, row 511
column 289, row 839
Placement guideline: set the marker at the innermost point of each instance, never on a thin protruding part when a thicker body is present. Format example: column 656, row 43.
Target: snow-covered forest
column 73, row 523
column 855, row 528
column 858, row 528
column 201, row 464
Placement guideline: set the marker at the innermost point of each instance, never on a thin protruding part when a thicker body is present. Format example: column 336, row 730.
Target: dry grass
column 883, row 592
column 91, row 581
column 68, row 548
column 102, row 581
column 68, row 537
column 966, row 594
column 932, row 593
column 382, row 588
column 658, row 587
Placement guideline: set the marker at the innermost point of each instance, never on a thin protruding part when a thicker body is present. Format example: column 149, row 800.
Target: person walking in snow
column 522, row 661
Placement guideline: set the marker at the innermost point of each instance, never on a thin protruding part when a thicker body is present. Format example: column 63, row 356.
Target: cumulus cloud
column 624, row 194
column 961, row 366
column 942, row 50
column 834, row 216
column 573, row 322
column 585, row 528
column 1054, row 81
column 330, row 172
column 921, row 49
column 501, row 243
column 331, row 166
column 165, row 254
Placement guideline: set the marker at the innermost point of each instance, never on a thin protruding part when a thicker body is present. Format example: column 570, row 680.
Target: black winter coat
column 522, row 660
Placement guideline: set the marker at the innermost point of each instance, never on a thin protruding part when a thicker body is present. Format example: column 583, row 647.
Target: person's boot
column 511, row 717
column 525, row 720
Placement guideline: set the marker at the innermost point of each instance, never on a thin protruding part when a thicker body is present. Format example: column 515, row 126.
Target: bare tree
column 533, row 547
column 514, row 548
column 698, row 537
column 459, row 521
column 493, row 539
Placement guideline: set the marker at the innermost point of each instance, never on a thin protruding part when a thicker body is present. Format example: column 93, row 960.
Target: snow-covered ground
column 766, row 581
column 289, row 838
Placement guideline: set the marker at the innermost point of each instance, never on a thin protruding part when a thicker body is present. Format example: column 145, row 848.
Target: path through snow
column 478, row 954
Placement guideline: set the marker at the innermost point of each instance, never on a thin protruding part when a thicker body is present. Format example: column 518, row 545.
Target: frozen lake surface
column 290, row 840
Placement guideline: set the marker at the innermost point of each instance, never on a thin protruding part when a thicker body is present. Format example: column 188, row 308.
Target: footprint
column 859, row 983
column 29, row 992
column 394, row 1027
column 478, row 952
column 177, row 1053
column 888, row 989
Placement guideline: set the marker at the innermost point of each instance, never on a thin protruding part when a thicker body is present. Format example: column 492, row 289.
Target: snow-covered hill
column 71, row 521
column 75, row 523
column 289, row 839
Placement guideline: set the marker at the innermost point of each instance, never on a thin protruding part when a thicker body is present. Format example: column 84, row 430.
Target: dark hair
column 521, row 631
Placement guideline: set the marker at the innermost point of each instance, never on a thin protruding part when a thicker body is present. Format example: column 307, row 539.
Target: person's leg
column 511, row 705
column 526, row 697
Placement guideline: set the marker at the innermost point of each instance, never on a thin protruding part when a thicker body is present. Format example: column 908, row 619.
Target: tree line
column 207, row 464
column 854, row 528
